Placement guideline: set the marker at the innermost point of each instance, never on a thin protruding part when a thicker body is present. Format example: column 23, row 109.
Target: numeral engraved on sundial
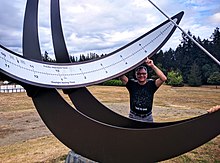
column 62, row 78
column 6, row 62
column 3, row 54
column 23, row 62
column 11, row 57
column 82, row 73
column 35, row 75
column 123, row 59
column 104, row 68
column 143, row 48
column 17, row 60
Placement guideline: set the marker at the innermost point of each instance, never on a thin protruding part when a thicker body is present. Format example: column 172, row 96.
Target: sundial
column 92, row 129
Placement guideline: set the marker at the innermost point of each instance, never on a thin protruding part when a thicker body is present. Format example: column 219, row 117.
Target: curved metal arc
column 96, row 110
column 31, row 46
column 77, row 76
column 60, row 48
column 30, row 40
column 111, row 142
column 106, row 143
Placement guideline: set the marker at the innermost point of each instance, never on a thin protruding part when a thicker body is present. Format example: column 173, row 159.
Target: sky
column 101, row 26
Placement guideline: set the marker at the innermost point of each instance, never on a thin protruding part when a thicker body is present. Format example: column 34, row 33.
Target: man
column 142, row 91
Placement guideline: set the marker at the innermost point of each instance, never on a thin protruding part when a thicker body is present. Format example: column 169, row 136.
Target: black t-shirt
column 141, row 96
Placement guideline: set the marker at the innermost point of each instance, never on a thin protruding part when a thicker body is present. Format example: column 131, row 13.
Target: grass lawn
column 24, row 137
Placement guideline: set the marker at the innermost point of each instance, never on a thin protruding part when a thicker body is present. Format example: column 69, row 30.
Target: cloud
column 215, row 19
column 103, row 25
column 11, row 21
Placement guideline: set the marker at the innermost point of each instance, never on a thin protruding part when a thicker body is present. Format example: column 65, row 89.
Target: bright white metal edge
column 58, row 75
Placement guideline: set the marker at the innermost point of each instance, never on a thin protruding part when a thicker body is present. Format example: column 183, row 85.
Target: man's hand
column 213, row 109
column 149, row 62
column 162, row 78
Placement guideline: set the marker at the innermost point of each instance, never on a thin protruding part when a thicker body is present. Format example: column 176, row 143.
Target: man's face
column 141, row 75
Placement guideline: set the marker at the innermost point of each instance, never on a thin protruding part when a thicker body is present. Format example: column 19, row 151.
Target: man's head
column 141, row 74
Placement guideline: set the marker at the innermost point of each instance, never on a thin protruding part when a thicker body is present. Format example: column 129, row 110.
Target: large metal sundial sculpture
column 92, row 129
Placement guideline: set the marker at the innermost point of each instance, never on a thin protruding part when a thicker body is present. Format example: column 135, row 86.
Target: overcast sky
column 103, row 25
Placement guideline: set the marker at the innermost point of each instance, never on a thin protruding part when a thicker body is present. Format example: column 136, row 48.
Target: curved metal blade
column 31, row 46
column 106, row 143
column 66, row 75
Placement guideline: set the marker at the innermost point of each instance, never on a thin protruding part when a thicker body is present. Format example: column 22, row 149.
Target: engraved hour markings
column 11, row 57
column 143, row 48
column 82, row 73
column 6, row 64
column 36, row 76
column 17, row 60
column 58, row 71
column 104, row 68
column 123, row 59
column 23, row 62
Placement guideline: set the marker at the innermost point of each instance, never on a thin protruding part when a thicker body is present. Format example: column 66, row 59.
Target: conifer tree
column 194, row 77
column 214, row 78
